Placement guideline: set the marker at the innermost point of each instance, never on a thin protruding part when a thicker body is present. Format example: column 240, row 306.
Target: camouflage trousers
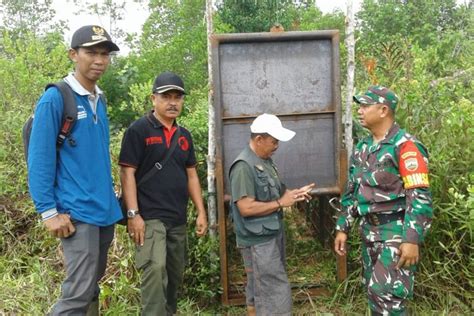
column 388, row 288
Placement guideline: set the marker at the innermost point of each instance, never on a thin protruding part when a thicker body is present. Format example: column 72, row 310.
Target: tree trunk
column 211, row 158
column 350, row 43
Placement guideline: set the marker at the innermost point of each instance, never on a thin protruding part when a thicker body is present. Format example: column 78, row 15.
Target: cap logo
column 99, row 33
column 98, row 30
column 98, row 37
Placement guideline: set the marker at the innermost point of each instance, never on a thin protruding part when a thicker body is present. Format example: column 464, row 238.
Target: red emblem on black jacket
column 183, row 143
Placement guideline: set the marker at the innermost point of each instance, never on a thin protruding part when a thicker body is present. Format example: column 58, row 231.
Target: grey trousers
column 85, row 256
column 268, row 288
column 162, row 260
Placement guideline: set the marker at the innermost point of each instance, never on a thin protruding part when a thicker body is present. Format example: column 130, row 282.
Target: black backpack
column 69, row 118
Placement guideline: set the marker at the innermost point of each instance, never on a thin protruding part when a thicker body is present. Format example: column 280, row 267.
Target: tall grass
column 31, row 267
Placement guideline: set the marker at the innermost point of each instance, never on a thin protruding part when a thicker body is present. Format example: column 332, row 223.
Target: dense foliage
column 422, row 49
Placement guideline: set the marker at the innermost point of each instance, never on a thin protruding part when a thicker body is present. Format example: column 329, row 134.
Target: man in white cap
column 258, row 197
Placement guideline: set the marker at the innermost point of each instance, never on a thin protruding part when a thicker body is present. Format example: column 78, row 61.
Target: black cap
column 168, row 81
column 91, row 35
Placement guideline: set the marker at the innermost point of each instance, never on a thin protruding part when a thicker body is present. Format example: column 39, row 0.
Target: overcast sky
column 137, row 14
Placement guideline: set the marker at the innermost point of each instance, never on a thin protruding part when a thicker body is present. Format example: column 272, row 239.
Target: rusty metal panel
column 275, row 77
column 294, row 75
column 308, row 157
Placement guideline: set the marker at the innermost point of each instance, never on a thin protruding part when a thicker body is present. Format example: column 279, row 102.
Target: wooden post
column 211, row 157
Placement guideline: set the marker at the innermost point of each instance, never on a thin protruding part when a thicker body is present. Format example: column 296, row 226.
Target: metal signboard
column 294, row 75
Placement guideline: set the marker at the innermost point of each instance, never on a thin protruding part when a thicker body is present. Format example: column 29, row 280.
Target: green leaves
column 422, row 49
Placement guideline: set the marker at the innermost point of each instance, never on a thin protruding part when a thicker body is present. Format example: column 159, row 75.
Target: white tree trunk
column 350, row 44
column 211, row 158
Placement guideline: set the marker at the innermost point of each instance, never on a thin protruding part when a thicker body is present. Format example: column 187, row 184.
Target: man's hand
column 304, row 192
column 340, row 243
column 201, row 224
column 60, row 226
column 409, row 255
column 290, row 197
column 136, row 229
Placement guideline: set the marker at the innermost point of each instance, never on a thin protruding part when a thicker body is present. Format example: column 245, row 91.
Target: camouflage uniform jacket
column 384, row 178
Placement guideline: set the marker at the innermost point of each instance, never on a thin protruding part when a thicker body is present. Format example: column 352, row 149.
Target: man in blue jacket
column 72, row 187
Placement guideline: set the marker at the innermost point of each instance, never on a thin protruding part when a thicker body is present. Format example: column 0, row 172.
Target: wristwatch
column 132, row 213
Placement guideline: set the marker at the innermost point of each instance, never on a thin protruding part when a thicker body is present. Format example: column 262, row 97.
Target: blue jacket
column 78, row 180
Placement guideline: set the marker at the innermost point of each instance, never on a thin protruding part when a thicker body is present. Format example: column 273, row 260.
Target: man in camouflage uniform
column 388, row 190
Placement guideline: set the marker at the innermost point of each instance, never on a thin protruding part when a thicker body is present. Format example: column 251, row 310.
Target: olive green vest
column 267, row 188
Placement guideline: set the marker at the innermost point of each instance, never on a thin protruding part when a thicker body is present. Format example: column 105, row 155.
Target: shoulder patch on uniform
column 413, row 166
column 408, row 154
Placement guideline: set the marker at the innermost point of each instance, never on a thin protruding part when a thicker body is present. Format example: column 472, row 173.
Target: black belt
column 376, row 219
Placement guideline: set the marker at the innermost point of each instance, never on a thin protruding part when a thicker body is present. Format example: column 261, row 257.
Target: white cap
column 270, row 124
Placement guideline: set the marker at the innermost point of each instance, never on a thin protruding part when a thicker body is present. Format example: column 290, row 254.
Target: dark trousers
column 268, row 288
column 85, row 256
column 161, row 259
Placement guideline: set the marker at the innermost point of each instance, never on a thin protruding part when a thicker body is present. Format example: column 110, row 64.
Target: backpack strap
column 69, row 113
